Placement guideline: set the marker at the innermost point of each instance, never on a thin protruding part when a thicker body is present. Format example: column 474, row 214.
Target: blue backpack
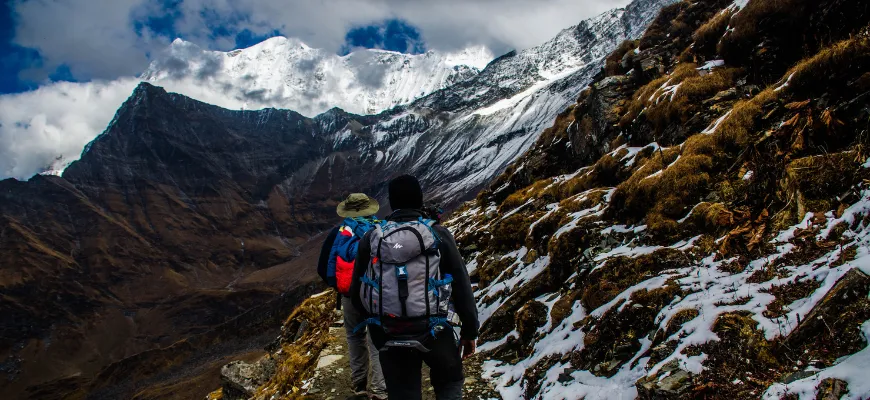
column 339, row 269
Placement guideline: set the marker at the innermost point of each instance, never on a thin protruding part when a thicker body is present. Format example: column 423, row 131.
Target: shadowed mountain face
column 169, row 225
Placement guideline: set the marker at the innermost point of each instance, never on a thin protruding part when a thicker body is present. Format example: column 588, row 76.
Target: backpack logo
column 398, row 246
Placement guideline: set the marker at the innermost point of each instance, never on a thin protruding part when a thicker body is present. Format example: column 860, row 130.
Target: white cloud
column 96, row 39
column 54, row 121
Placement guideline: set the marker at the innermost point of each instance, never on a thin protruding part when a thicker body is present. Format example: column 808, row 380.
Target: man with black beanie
column 402, row 366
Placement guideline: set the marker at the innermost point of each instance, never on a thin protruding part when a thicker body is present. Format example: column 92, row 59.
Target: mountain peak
column 286, row 73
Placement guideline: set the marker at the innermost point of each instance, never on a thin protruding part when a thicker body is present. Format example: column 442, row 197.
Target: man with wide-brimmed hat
column 336, row 268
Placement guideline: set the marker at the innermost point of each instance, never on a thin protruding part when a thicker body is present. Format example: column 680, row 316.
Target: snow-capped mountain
column 460, row 137
column 285, row 73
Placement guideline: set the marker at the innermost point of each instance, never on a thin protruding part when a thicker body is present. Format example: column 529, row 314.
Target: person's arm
column 363, row 255
column 463, row 297
column 323, row 261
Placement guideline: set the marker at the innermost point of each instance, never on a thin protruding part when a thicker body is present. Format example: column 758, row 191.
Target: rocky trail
column 331, row 379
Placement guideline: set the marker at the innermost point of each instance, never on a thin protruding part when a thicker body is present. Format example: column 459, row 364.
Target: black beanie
column 405, row 192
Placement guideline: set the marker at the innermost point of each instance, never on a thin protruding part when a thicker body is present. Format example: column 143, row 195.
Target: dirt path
column 331, row 379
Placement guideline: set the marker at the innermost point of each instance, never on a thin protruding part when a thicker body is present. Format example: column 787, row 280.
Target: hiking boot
column 359, row 392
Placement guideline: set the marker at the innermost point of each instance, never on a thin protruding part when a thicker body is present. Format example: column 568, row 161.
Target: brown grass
column 300, row 355
column 639, row 100
column 603, row 173
column 657, row 32
column 712, row 217
column 510, row 233
column 749, row 24
column 663, row 109
column 621, row 273
column 708, row 35
column 612, row 65
column 831, row 67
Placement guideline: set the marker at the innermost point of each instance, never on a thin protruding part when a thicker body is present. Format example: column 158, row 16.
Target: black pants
column 403, row 374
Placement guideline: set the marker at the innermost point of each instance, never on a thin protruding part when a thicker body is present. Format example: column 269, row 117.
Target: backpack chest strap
column 402, row 278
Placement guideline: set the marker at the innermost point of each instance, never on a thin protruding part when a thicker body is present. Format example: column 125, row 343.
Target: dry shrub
column 742, row 349
column 816, row 181
column 832, row 67
column 680, row 318
column 603, row 173
column 793, row 29
column 708, row 35
column 639, row 100
column 668, row 193
column 753, row 21
column 663, row 198
column 511, row 232
column 620, row 273
column 657, row 32
column 522, row 196
column 613, row 63
column 712, row 217
column 686, row 101
column 299, row 354
column 789, row 293
column 562, row 308
column 663, row 109
column 513, row 201
column 736, row 131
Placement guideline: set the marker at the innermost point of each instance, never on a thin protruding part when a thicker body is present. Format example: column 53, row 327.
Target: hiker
column 336, row 269
column 406, row 273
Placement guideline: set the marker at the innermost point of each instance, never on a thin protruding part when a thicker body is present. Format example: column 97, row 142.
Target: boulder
column 832, row 389
column 671, row 382
column 530, row 317
column 240, row 380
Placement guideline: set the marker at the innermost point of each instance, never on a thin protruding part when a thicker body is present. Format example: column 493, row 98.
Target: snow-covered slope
column 285, row 73
column 459, row 138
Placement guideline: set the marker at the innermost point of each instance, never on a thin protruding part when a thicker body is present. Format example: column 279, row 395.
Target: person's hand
column 469, row 346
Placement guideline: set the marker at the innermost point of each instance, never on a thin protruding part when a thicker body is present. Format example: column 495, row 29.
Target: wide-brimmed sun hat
column 357, row 205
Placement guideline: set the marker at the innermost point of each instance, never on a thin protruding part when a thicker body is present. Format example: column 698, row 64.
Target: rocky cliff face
column 690, row 225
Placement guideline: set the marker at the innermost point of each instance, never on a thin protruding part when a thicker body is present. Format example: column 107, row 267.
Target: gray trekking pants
column 363, row 353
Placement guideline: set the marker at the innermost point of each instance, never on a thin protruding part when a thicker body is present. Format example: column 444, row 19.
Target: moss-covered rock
column 530, row 317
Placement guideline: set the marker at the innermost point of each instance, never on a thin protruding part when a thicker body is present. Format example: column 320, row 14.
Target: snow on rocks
column 710, row 287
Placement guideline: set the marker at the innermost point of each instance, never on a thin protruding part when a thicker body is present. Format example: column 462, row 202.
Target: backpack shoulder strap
column 360, row 226
column 429, row 224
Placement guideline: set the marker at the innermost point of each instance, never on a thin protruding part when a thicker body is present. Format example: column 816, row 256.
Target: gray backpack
column 403, row 289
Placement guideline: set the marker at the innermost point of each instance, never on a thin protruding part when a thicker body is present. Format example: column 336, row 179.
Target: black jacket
column 324, row 256
column 451, row 263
